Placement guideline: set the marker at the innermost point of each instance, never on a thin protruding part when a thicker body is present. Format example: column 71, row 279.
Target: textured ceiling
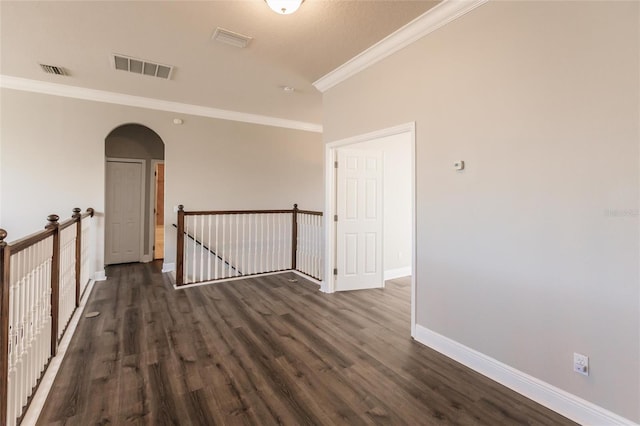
column 290, row 50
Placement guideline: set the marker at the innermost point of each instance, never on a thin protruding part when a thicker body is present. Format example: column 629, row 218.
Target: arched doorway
column 134, row 204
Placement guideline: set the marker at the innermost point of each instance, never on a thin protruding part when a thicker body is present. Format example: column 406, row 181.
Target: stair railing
column 42, row 278
column 226, row 244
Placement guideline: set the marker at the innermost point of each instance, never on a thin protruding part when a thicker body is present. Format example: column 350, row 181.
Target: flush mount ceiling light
column 284, row 7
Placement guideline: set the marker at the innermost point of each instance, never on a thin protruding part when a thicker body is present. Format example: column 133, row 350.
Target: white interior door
column 359, row 228
column 123, row 215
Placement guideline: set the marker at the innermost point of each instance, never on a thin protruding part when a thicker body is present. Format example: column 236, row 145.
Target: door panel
column 158, row 252
column 359, row 227
column 370, row 252
column 123, row 212
column 160, row 194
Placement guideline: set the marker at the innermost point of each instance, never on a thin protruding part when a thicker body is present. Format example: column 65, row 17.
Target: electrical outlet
column 581, row 364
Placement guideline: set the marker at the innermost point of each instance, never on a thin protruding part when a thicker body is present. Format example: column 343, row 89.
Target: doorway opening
column 133, row 155
column 158, row 208
column 351, row 197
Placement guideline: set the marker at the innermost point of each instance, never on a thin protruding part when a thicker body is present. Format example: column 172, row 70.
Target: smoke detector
column 141, row 66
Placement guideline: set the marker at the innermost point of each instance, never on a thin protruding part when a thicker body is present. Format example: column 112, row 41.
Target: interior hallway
column 267, row 350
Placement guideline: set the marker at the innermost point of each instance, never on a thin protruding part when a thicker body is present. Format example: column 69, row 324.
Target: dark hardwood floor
column 264, row 351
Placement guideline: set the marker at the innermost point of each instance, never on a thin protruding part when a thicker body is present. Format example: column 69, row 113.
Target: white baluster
column 274, row 243
column 194, row 248
column 243, row 269
column 33, row 370
column 287, row 241
column 235, row 258
column 279, row 243
column 201, row 246
column 314, row 246
column 43, row 346
column 309, row 244
column 248, row 246
column 305, row 242
column 12, row 341
column 265, row 241
column 24, row 284
column 210, row 248
column 255, row 237
column 302, row 243
column 260, row 241
column 217, row 248
column 26, row 332
column 223, row 265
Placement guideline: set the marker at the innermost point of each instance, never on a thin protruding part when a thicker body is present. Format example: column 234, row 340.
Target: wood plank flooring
column 263, row 351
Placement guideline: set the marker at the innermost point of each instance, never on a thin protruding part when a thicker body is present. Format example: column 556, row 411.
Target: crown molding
column 37, row 86
column 436, row 17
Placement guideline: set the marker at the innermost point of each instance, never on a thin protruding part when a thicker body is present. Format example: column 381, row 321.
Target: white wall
column 397, row 156
column 52, row 159
column 532, row 253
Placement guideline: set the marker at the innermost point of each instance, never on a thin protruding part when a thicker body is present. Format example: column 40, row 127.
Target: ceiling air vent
column 141, row 66
column 231, row 38
column 52, row 69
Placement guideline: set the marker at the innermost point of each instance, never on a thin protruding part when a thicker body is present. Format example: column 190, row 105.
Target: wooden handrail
column 311, row 212
column 28, row 241
column 218, row 212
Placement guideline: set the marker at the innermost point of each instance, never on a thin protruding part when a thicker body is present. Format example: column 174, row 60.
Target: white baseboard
column 100, row 275
column 40, row 397
column 556, row 399
column 226, row 280
column 146, row 258
column 168, row 267
column 391, row 274
column 307, row 277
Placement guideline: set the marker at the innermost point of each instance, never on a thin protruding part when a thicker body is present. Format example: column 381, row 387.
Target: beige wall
column 53, row 142
column 532, row 252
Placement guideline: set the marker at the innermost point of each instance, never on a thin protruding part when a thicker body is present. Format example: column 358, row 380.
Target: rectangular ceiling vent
column 141, row 66
column 52, row 69
column 231, row 38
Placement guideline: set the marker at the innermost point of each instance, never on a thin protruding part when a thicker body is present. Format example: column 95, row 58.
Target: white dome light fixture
column 284, row 7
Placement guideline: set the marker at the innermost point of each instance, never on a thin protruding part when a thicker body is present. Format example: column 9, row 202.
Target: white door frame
column 152, row 206
column 328, row 285
column 143, row 178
